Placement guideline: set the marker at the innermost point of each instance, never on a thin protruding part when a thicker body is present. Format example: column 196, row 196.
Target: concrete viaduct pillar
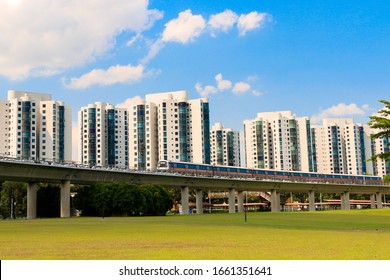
column 372, row 201
column 199, row 202
column 65, row 199
column 312, row 206
column 275, row 201
column 345, row 201
column 32, row 201
column 184, row 200
column 378, row 200
column 240, row 201
column 232, row 201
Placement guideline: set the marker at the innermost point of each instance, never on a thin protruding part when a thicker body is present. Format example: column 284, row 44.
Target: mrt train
column 207, row 170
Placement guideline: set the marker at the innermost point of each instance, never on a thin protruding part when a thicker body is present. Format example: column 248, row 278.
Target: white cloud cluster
column 223, row 21
column 184, row 28
column 340, row 110
column 187, row 27
column 46, row 37
column 250, row 21
column 113, row 75
column 223, row 85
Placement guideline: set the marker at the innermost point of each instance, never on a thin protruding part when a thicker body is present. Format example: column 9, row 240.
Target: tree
column 13, row 202
column 122, row 199
column 381, row 121
column 386, row 179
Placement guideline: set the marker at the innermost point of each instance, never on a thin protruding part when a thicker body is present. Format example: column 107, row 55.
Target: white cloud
column 241, row 87
column 222, row 84
column 185, row 28
column 223, row 21
column 130, row 102
column 205, row 91
column 154, row 49
column 113, row 75
column 340, row 110
column 48, row 36
column 250, row 21
column 257, row 93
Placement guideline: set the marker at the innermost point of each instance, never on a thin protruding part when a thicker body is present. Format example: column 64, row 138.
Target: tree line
column 117, row 199
column 122, row 199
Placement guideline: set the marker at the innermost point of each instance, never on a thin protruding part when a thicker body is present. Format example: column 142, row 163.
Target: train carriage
column 263, row 174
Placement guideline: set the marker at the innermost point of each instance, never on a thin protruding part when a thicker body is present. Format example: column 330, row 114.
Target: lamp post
column 72, row 210
column 246, row 205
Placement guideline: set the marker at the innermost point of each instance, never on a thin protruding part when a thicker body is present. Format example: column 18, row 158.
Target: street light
column 246, row 205
column 72, row 210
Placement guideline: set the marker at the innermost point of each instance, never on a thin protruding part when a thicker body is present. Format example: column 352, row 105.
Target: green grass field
column 329, row 235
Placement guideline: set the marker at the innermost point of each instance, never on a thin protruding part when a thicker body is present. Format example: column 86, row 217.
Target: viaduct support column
column 345, row 201
column 378, row 200
column 232, row 201
column 32, row 201
column 184, row 200
column 240, row 198
column 312, row 206
column 372, row 200
column 275, row 201
column 65, row 199
column 199, row 202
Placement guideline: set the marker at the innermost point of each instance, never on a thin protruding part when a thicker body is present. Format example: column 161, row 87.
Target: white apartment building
column 378, row 146
column 342, row 147
column 225, row 146
column 143, row 145
column 103, row 135
column 183, row 127
column 4, row 128
column 38, row 127
column 278, row 140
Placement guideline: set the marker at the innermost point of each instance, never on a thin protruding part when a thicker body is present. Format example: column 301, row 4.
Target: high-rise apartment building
column 143, row 145
column 225, row 146
column 378, row 146
column 163, row 126
column 183, row 127
column 4, row 128
column 103, row 135
column 342, row 147
column 279, row 140
column 36, row 127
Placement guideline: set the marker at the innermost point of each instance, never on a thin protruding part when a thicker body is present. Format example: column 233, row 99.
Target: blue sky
column 317, row 58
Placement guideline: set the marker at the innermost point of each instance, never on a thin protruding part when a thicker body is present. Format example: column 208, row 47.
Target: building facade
column 225, row 146
column 342, row 147
column 163, row 126
column 279, row 140
column 4, row 128
column 183, row 127
column 143, row 145
column 103, row 135
column 381, row 167
column 39, row 128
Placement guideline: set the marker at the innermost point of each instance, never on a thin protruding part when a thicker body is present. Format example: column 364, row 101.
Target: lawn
column 329, row 235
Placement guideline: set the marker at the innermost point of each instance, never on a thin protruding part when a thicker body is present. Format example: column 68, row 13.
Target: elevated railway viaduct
column 65, row 175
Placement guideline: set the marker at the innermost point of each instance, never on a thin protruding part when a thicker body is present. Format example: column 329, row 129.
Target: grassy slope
column 337, row 235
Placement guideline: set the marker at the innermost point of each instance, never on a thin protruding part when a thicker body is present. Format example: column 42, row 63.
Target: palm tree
column 381, row 122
